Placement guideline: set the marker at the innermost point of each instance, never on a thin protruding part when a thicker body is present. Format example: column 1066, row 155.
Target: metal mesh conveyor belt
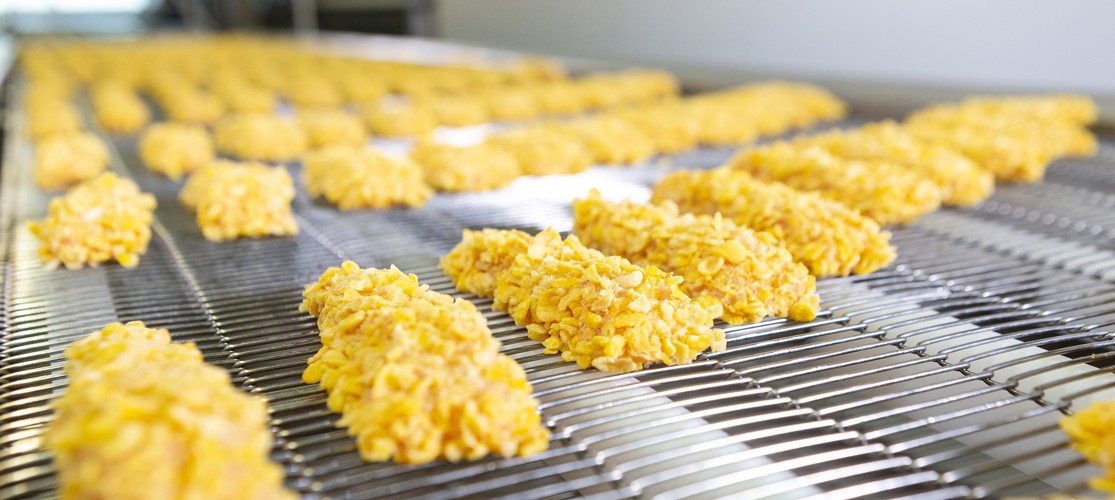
column 942, row 376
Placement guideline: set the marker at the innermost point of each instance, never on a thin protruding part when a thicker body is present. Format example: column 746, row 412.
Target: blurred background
column 879, row 55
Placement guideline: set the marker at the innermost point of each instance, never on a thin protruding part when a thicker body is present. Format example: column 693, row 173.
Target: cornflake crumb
column 67, row 159
column 234, row 200
column 354, row 178
column 1092, row 432
column 175, row 149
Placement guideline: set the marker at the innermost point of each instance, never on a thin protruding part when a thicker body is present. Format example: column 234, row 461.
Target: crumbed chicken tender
column 481, row 256
column 398, row 119
column 668, row 125
column 962, row 181
column 261, row 137
column 597, row 311
column 544, row 149
column 331, row 127
column 560, row 97
column 827, row 237
column 240, row 200
column 746, row 273
column 416, row 375
column 1092, row 433
column 354, row 178
column 612, row 140
column 882, row 191
column 241, row 96
column 470, row 168
column 145, row 418
column 118, row 108
column 193, row 106
column 51, row 117
column 1015, row 138
column 64, row 160
column 456, row 110
column 312, row 91
column 175, row 149
column 101, row 219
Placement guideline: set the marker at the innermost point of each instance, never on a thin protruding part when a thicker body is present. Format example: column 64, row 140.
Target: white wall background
column 968, row 45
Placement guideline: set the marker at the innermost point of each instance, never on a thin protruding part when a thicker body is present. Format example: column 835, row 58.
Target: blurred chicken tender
column 746, row 273
column 470, row 168
column 1092, row 432
column 882, row 191
column 598, row 311
column 118, row 108
column 416, row 374
column 64, row 160
column 103, row 218
column 144, row 418
column 829, row 238
column 354, row 178
column 175, row 149
column 234, row 200
column 544, row 150
column 331, row 127
column 260, row 137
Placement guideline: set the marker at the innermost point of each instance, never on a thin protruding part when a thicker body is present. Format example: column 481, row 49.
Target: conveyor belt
column 941, row 376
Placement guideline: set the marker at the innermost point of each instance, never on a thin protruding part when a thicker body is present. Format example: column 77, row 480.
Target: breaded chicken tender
column 416, row 375
column 962, row 181
column 118, row 108
column 260, row 137
column 240, row 200
column 354, row 178
column 828, row 237
column 612, row 140
column 595, row 310
column 544, row 149
column 1092, row 432
column 64, row 160
column 331, row 127
column 470, row 168
column 101, row 219
column 746, row 273
column 145, row 418
column 882, row 191
column 175, row 149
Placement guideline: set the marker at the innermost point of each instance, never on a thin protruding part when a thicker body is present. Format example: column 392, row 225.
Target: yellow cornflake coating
column 481, row 256
column 312, row 90
column 103, row 218
column 175, row 149
column 118, row 108
column 331, row 127
column 398, row 119
column 193, row 106
column 598, row 311
column 242, row 96
column 559, row 97
column 471, row 168
column 827, row 237
column 1092, row 432
column 416, row 374
column 64, row 160
column 234, row 200
column 668, row 125
column 145, row 418
column 612, row 140
column 511, row 102
column 253, row 136
column 353, row 178
column 746, row 273
column 882, row 191
column 544, row 149
column 51, row 117
column 1015, row 138
column 456, row 110
column 961, row 180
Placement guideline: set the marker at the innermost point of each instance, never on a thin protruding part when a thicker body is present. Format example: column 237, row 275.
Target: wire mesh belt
column 942, row 376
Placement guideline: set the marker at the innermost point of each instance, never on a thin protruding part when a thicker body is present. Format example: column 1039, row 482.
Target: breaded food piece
column 481, row 256
column 357, row 86
column 1015, row 138
column 253, row 136
column 456, row 110
column 331, row 127
column 962, row 181
column 51, row 117
column 118, row 108
column 561, row 97
column 398, row 119
column 612, row 140
column 145, row 418
column 598, row 311
column 470, row 168
column 312, row 91
column 175, row 149
column 66, row 159
column 827, row 237
column 241, row 96
column 670, row 128
column 544, row 149
column 193, row 106
column 353, row 178
column 882, row 191
column 1092, row 433
column 748, row 274
column 104, row 218
column 743, row 114
column 240, row 200
column 511, row 102
column 719, row 124
column 416, row 374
